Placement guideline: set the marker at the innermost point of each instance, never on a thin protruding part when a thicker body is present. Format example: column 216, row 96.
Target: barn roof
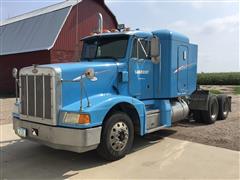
column 37, row 30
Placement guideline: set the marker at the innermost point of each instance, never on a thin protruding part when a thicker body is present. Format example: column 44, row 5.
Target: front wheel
column 117, row 137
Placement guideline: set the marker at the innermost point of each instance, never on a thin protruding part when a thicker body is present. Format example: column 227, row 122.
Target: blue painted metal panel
column 106, row 72
column 141, row 78
column 171, row 35
column 124, row 76
column 165, row 113
column 100, row 106
column 192, row 68
column 182, row 71
column 141, row 81
column 131, row 81
column 134, row 82
column 174, row 71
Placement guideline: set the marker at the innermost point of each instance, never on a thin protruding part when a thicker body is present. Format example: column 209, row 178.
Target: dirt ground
column 224, row 133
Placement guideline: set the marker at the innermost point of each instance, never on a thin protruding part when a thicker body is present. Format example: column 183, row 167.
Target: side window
column 141, row 49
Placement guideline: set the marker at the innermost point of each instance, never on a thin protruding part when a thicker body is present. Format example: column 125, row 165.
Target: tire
column 197, row 116
column 224, row 108
column 117, row 137
column 210, row 116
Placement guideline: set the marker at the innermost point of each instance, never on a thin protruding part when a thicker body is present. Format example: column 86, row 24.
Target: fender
column 100, row 105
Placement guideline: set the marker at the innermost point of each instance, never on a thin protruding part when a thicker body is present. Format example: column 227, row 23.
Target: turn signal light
column 74, row 118
column 84, row 119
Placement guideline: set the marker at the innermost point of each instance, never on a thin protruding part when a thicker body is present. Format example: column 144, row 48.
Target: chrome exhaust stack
column 100, row 23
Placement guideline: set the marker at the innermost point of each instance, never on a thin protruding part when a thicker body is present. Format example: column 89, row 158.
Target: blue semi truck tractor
column 126, row 83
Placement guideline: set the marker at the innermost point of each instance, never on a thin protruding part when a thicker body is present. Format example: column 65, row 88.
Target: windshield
column 105, row 47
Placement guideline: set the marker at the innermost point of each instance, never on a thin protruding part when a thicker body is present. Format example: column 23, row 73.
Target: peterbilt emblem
column 34, row 69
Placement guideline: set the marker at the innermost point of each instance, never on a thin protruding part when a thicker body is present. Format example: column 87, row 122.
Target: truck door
column 182, row 69
column 141, row 70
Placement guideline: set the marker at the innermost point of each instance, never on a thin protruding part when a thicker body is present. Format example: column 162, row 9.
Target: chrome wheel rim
column 225, row 109
column 119, row 136
column 214, row 110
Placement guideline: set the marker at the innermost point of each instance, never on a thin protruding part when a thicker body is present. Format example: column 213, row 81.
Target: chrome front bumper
column 76, row 140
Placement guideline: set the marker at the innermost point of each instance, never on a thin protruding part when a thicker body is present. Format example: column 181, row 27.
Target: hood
column 106, row 73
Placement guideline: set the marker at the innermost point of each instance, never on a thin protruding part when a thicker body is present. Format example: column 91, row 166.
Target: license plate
column 22, row 132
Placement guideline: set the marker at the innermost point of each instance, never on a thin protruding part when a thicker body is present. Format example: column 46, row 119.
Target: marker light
column 114, row 30
column 106, row 31
column 127, row 29
column 84, row 119
column 73, row 118
column 93, row 34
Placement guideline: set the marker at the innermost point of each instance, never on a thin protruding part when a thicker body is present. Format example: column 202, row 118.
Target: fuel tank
column 180, row 110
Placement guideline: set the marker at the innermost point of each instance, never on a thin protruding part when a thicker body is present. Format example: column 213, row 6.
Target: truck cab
column 126, row 83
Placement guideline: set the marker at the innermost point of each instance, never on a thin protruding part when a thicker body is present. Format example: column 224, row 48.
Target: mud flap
column 199, row 100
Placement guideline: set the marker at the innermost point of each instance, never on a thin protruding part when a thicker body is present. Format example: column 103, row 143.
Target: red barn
column 48, row 35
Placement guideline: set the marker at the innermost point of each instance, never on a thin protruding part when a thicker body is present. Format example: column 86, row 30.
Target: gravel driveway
column 224, row 133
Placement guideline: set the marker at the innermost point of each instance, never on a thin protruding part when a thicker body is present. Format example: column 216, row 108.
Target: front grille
column 36, row 96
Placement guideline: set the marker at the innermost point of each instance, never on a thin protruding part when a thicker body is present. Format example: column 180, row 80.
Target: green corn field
column 231, row 78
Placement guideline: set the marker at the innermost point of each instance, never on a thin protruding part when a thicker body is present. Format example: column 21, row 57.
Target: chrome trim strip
column 155, row 129
column 52, row 96
column 36, row 119
column 43, row 96
column 20, row 93
column 27, row 91
column 56, row 99
column 35, row 96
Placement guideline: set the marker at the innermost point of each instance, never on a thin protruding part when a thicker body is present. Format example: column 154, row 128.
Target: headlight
column 73, row 118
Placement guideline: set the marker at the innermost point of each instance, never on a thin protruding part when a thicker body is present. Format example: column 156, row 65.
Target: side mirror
column 155, row 50
column 15, row 73
column 90, row 74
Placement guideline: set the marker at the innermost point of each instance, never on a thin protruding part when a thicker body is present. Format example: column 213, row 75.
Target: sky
column 212, row 25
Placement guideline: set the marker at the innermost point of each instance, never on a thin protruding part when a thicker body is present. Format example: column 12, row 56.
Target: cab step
column 153, row 120
column 153, row 111
column 155, row 129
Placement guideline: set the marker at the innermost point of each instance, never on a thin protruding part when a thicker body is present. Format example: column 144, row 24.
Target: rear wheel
column 224, row 107
column 117, row 137
column 210, row 116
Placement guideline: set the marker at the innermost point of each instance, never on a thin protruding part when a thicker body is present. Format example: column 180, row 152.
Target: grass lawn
column 215, row 91
column 237, row 90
